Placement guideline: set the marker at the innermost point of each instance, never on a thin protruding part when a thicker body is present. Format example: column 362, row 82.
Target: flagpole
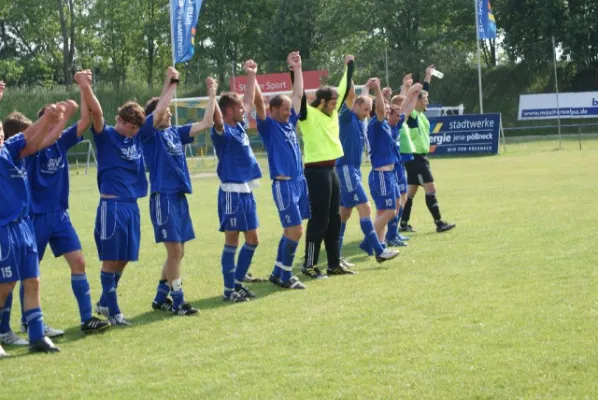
column 176, row 111
column 477, row 35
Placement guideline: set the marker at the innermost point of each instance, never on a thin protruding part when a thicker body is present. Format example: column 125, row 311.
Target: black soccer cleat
column 442, row 226
column 313, row 272
column 185, row 309
column 386, row 255
column 94, row 325
column 340, row 270
column 252, row 279
column 243, row 291
column 275, row 280
column 293, row 283
column 164, row 306
column 43, row 345
column 406, row 228
column 235, row 297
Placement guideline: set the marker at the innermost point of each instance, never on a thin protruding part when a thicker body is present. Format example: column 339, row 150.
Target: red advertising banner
column 279, row 82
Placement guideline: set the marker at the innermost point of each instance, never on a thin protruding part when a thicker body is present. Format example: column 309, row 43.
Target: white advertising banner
column 571, row 105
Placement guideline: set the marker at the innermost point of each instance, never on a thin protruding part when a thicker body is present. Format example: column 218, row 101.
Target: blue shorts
column 170, row 217
column 292, row 201
column 352, row 190
column 117, row 231
column 237, row 211
column 55, row 228
column 18, row 252
column 383, row 189
column 401, row 177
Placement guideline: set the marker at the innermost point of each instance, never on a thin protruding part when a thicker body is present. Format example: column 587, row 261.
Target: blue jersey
column 282, row 145
column 382, row 146
column 164, row 152
column 236, row 161
column 353, row 137
column 14, row 195
column 48, row 174
column 120, row 164
column 397, row 130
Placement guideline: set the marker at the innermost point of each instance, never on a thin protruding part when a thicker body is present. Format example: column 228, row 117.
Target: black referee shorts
column 418, row 170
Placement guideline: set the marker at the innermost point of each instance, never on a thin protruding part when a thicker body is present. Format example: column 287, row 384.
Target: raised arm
column 85, row 119
column 97, row 114
column 387, row 93
column 2, row 87
column 351, row 97
column 407, row 83
column 296, row 66
column 345, row 83
column 170, row 82
column 250, row 68
column 411, row 100
column 428, row 78
column 218, row 120
column 208, row 118
column 380, row 105
column 69, row 108
column 260, row 105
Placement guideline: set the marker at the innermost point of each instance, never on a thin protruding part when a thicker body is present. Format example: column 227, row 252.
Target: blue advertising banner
column 486, row 21
column 184, row 15
column 464, row 134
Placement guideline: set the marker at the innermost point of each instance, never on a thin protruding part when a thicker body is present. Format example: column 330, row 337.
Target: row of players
column 35, row 173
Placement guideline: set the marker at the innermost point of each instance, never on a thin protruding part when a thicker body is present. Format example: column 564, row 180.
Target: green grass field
column 504, row 306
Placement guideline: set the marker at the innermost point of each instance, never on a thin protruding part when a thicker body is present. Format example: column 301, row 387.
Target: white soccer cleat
column 12, row 339
column 386, row 255
column 2, row 352
column 103, row 311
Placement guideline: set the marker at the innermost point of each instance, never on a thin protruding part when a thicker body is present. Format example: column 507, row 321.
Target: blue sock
column 243, row 263
column 80, row 287
column 117, row 276
column 109, row 293
column 228, row 269
column 277, row 271
column 5, row 315
column 288, row 255
column 35, row 321
column 393, row 229
column 341, row 237
column 367, row 227
column 162, row 292
column 177, row 298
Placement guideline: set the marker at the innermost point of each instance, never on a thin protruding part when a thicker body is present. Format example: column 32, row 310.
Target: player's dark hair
column 150, row 106
column 325, row 93
column 228, row 100
column 278, row 100
column 14, row 123
column 132, row 112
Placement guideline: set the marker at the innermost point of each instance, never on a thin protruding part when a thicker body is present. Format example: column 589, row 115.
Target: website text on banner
column 184, row 15
column 464, row 134
column 544, row 106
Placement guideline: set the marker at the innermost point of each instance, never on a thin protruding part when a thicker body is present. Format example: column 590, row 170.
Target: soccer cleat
column 313, row 272
column 251, row 279
column 406, row 228
column 235, row 297
column 2, row 352
column 12, row 339
column 442, row 226
column 275, row 280
column 44, row 345
column 243, row 291
column 365, row 246
column 396, row 242
column 185, row 309
column 403, row 238
column 103, row 311
column 386, row 255
column 94, row 325
column 345, row 263
column 293, row 283
column 52, row 333
column 165, row 306
column 340, row 270
column 119, row 320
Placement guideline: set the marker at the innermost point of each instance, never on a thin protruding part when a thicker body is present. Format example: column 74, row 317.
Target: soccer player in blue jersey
column 383, row 156
column 121, row 181
column 289, row 187
column 164, row 152
column 348, row 167
column 18, row 249
column 239, row 173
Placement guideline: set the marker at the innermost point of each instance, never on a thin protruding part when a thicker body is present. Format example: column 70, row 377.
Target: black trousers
column 325, row 222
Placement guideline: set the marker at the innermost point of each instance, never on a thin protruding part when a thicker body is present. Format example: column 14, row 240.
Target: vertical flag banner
column 184, row 15
column 486, row 21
